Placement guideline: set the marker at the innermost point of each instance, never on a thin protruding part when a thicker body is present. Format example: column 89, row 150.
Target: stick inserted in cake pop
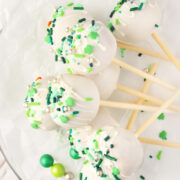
column 143, row 51
column 159, row 142
column 152, row 118
column 141, row 100
column 143, row 74
column 166, row 50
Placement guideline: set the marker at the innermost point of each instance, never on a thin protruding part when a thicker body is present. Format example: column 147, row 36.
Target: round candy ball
column 46, row 160
column 58, row 170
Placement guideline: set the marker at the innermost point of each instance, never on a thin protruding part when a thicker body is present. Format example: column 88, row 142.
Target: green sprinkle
column 34, row 104
column 107, row 138
column 117, row 21
column 61, row 13
column 115, row 171
column 69, row 71
column 80, row 176
column 99, row 163
column 90, row 156
column 140, row 6
column 156, row 25
column 159, row 155
column 111, row 27
column 96, row 144
column 80, row 29
column 37, row 122
column 47, row 39
column 98, row 131
column 142, row 177
column 81, row 20
column 70, row 4
column 122, row 52
column 150, row 156
column 60, row 103
column 78, row 8
column 134, row 9
column 88, row 99
column 70, row 102
column 110, row 158
column 149, row 67
column 28, row 112
column 88, row 49
column 58, row 51
column 71, row 116
column 79, row 55
column 116, row 178
column 34, row 126
column 85, row 162
column 163, row 135
column 89, row 69
column 37, row 84
column 75, row 112
column 93, row 35
column 161, row 116
column 63, row 119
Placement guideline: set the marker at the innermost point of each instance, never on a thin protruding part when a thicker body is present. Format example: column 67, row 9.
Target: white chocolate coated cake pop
column 69, row 101
column 81, row 44
column 111, row 151
column 107, row 80
column 134, row 20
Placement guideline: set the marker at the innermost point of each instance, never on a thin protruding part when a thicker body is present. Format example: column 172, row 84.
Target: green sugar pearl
column 115, row 171
column 70, row 102
column 58, row 170
column 74, row 154
column 63, row 119
column 46, row 160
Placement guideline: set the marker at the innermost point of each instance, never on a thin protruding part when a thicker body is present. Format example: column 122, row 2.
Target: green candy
column 93, row 35
column 47, row 39
column 115, row 171
column 46, row 160
column 63, row 119
column 70, row 102
column 88, row 49
column 74, row 154
column 58, row 170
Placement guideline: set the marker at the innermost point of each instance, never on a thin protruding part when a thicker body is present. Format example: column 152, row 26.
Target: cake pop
column 107, row 150
column 82, row 44
column 134, row 21
column 69, row 101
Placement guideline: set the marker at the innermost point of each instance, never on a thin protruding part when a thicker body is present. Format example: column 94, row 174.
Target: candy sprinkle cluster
column 117, row 9
column 97, row 152
column 60, row 12
column 56, row 101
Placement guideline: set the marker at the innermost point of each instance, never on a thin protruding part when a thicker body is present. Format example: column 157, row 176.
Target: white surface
column 24, row 56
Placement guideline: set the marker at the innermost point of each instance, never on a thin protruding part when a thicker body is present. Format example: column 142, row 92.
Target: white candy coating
column 126, row 149
column 84, row 47
column 107, row 80
column 135, row 26
column 69, row 101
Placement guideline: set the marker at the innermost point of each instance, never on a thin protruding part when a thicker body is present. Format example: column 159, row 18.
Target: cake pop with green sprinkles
column 107, row 152
column 82, row 44
column 68, row 101
column 134, row 21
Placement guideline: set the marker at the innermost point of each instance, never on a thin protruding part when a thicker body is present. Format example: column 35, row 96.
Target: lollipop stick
column 166, row 51
column 159, row 142
column 140, row 101
column 143, row 74
column 152, row 118
column 143, row 51
column 131, row 105
column 147, row 99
